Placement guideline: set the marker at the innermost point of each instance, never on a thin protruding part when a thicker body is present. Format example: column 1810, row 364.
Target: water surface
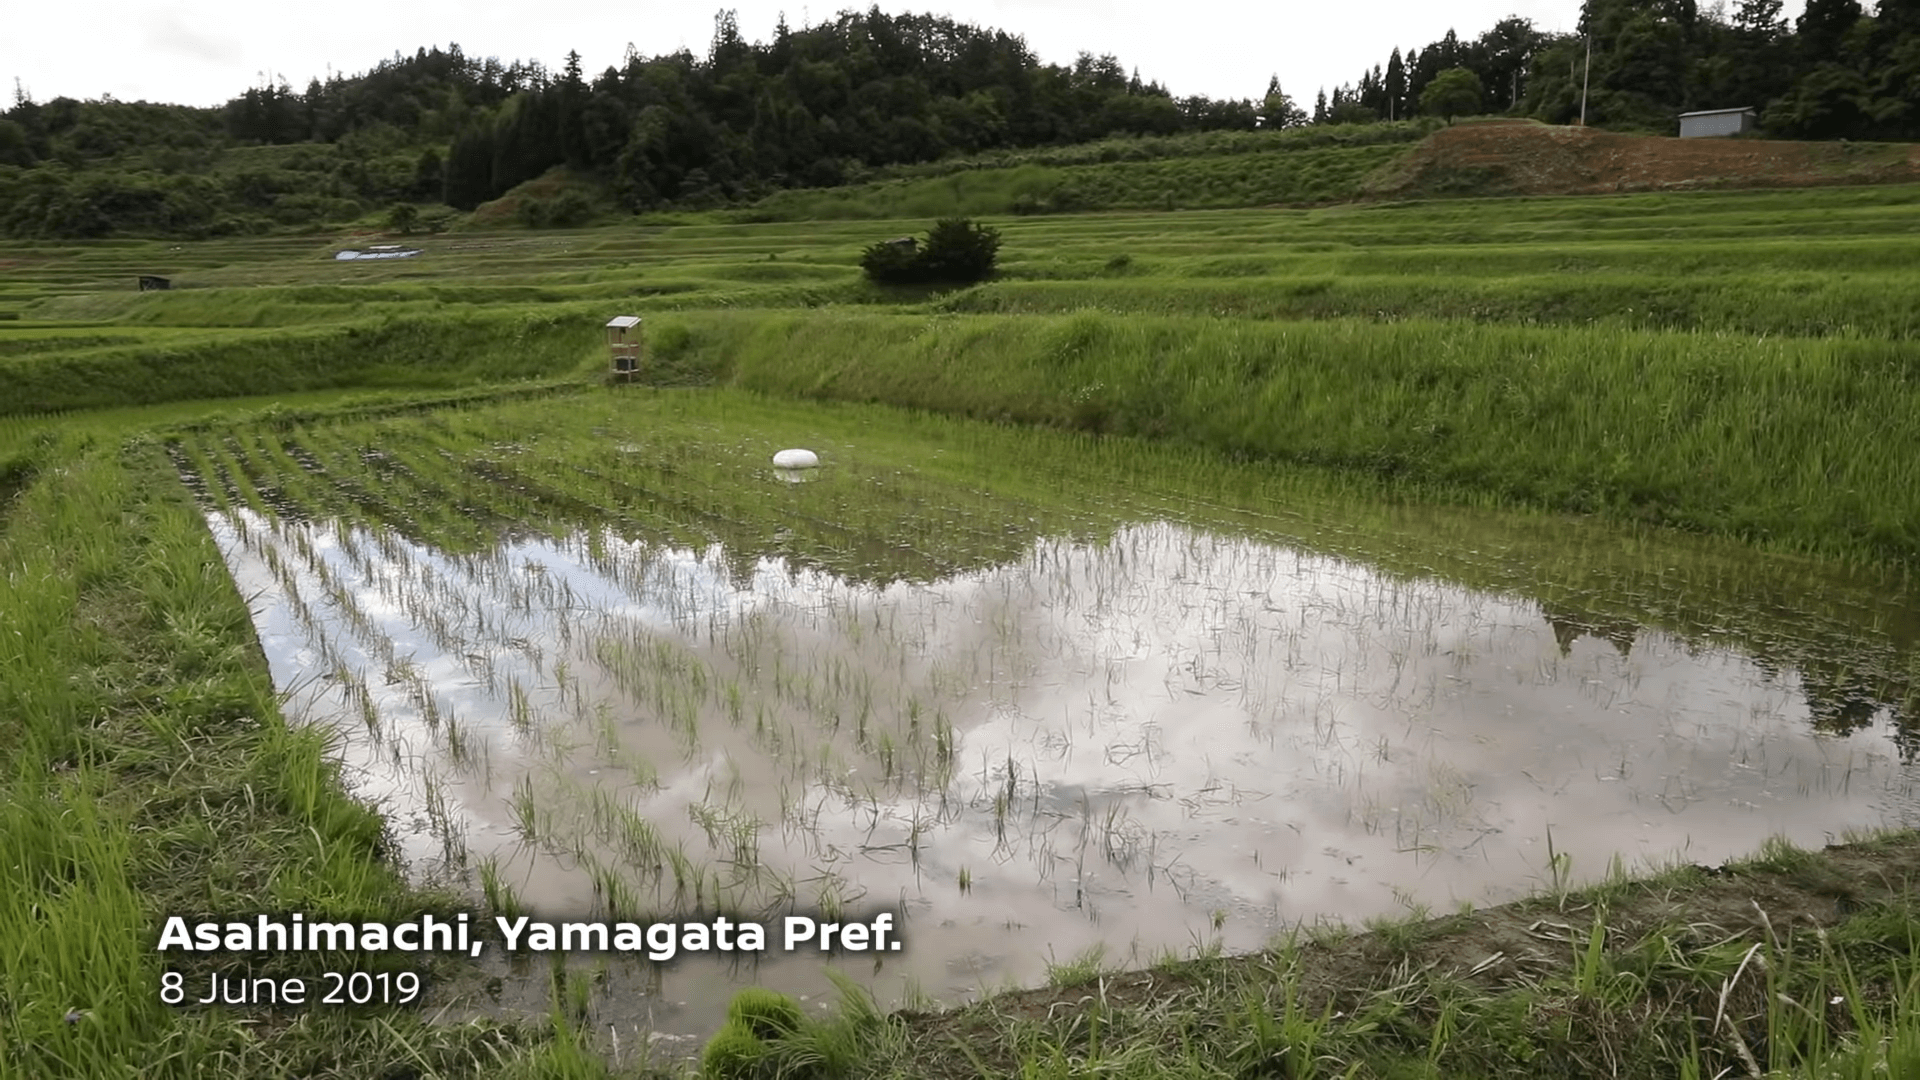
column 1169, row 736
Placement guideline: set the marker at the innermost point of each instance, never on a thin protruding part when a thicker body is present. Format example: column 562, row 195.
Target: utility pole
column 1584, row 76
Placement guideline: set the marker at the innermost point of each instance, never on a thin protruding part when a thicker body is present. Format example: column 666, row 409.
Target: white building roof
column 623, row 321
column 1716, row 112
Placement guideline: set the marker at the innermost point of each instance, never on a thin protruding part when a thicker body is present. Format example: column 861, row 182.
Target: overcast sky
column 203, row 52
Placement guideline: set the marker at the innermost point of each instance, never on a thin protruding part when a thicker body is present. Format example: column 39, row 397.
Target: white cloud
column 173, row 40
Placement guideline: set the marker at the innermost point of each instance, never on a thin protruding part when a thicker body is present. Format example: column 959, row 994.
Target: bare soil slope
column 1527, row 158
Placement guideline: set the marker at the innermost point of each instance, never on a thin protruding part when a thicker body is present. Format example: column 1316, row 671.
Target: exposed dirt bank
column 1526, row 158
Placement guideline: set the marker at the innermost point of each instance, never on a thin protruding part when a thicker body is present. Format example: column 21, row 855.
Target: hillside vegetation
column 870, row 96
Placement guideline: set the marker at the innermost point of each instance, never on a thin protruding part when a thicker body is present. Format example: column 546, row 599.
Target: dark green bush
column 957, row 251
column 566, row 210
column 890, row 262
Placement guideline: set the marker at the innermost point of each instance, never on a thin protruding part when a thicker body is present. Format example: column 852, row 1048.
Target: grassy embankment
column 130, row 690
column 1276, row 177
column 151, row 773
column 1789, row 443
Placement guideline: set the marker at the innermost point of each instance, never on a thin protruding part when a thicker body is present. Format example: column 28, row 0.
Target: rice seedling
column 495, row 890
column 526, row 810
column 1084, row 967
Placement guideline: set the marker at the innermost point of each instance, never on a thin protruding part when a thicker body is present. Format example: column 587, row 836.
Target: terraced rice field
column 599, row 656
column 1206, row 575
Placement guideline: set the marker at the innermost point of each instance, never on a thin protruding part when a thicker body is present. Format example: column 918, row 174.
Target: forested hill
column 1836, row 72
column 831, row 103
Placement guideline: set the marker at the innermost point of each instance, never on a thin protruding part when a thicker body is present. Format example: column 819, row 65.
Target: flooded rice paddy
column 1038, row 722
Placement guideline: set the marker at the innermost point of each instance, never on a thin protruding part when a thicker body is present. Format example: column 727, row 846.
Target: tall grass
column 435, row 351
column 1633, row 996
column 149, row 773
column 1790, row 304
column 1300, row 176
column 1794, row 443
column 1193, row 145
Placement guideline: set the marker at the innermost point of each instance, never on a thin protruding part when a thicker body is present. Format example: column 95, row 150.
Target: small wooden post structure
column 623, row 345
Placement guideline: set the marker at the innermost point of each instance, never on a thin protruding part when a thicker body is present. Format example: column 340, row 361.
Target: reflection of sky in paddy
column 1148, row 734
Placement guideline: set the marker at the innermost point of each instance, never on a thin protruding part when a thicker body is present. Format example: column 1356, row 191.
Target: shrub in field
column 956, row 252
column 567, row 210
column 402, row 217
column 892, row 262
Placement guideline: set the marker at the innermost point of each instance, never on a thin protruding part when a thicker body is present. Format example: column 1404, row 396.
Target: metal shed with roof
column 1716, row 122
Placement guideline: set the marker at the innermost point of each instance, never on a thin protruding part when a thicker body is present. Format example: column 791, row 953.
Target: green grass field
column 1722, row 385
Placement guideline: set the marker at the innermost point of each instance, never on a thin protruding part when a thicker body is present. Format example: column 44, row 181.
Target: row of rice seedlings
column 438, row 605
column 531, row 501
column 322, row 455
column 303, row 479
column 624, row 831
column 848, row 523
column 339, row 593
column 197, row 472
column 676, row 684
column 560, row 476
column 350, row 682
column 271, row 541
column 382, row 497
column 655, row 465
column 415, row 588
column 463, row 621
column 659, row 674
column 244, row 473
column 666, row 512
column 252, row 445
column 399, row 464
column 220, row 473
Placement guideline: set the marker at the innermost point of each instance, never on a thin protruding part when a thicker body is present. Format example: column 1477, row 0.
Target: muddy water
column 1165, row 739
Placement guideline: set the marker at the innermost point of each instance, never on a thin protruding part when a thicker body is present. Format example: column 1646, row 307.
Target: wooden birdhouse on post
column 623, row 345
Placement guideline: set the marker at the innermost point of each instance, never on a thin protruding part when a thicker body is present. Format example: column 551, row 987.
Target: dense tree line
column 1835, row 72
column 814, row 107
column 819, row 105
column 832, row 103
